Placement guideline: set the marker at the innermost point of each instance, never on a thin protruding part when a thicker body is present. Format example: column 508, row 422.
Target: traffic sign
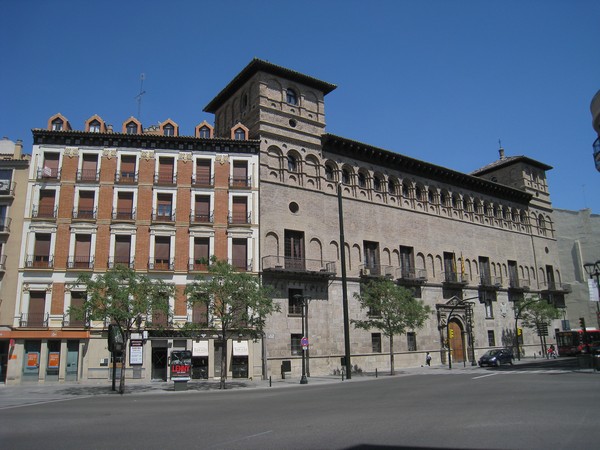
column 304, row 342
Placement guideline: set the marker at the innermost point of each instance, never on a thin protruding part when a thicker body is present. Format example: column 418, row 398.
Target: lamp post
column 470, row 329
column 304, row 340
column 593, row 270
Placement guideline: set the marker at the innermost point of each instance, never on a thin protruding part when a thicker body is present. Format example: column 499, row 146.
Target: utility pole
column 344, row 286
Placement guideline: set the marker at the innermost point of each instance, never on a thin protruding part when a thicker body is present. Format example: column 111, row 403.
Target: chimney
column 109, row 128
column 18, row 149
column 501, row 151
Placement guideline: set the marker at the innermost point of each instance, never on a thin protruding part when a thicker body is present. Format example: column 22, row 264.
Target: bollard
column 270, row 381
column 342, row 375
column 375, row 372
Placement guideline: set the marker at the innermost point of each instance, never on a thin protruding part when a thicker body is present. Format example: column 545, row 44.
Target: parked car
column 496, row 357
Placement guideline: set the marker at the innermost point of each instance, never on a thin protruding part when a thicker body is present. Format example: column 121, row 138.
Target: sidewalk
column 12, row 396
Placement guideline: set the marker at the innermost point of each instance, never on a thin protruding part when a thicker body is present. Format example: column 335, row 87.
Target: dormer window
column 94, row 126
column 204, row 133
column 291, row 97
column 239, row 134
column 169, row 130
column 131, row 128
column 57, row 125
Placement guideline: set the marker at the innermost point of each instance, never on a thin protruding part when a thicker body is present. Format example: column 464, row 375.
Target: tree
column 537, row 314
column 392, row 309
column 124, row 298
column 236, row 303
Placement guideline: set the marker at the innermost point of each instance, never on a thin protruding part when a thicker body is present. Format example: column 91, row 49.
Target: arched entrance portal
column 456, row 341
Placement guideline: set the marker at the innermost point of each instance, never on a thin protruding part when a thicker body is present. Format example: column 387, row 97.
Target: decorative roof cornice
column 143, row 141
column 259, row 65
column 405, row 164
column 510, row 160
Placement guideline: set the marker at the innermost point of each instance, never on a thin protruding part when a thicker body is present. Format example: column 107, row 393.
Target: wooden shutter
column 46, row 204
column 200, row 313
column 37, row 308
column 51, row 164
column 239, row 253
column 240, row 210
column 240, row 173
column 86, row 204
column 166, row 168
column 202, row 208
column 125, row 205
column 162, row 249
column 83, row 246
column 77, row 300
column 203, row 174
column 122, row 249
column 89, row 167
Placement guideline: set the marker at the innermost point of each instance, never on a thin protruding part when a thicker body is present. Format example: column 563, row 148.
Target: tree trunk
column 223, row 361
column 123, row 359
column 392, row 355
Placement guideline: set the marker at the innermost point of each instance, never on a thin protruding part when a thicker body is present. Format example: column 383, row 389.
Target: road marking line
column 484, row 376
column 44, row 402
column 240, row 439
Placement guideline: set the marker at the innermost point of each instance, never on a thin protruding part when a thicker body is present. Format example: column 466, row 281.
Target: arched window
column 405, row 190
column 419, row 193
column 377, row 184
column 430, row 196
column 292, row 163
column 362, row 180
column 131, row 128
column 94, row 126
column 239, row 134
column 57, row 125
column 329, row 172
column 169, row 130
column 291, row 97
column 392, row 187
column 345, row 176
column 204, row 132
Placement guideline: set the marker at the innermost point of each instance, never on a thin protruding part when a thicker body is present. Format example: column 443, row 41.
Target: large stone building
column 487, row 237
column 261, row 190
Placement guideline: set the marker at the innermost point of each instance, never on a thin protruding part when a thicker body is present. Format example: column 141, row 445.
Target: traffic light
column 519, row 331
column 582, row 323
column 451, row 333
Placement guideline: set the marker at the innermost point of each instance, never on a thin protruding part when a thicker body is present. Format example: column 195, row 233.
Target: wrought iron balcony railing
column 163, row 216
column 286, row 263
column 80, row 262
column 161, row 264
column 48, row 173
column 126, row 177
column 5, row 224
column 88, row 175
column 33, row 320
column 116, row 261
column 85, row 214
column 44, row 212
column 7, row 188
column 203, row 181
column 240, row 182
column 240, row 218
column 202, row 218
column 123, row 214
column 39, row 261
column 164, row 179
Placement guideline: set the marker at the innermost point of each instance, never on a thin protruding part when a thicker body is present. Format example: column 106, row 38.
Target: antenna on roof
column 139, row 96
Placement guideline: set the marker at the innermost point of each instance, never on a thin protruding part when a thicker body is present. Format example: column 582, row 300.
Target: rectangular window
column 296, row 344
column 203, row 173
column 240, row 174
column 50, row 168
column 411, row 340
column 239, row 210
column 166, row 170
column 450, row 274
column 484, row 271
column 491, row 338
column 125, row 209
column 407, row 262
column 295, row 302
column 489, row 310
column 201, row 253
column 376, row 342
column 128, row 170
column 294, row 249
column 83, row 247
column 200, row 313
column 36, row 315
column 162, row 252
column 46, row 205
column 41, row 251
column 164, row 207
column 89, row 168
column 239, row 254
column 77, row 301
column 202, row 209
column 85, row 207
column 5, row 181
column 122, row 250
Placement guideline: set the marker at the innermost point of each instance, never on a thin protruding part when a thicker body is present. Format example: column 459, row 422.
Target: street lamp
column 470, row 329
column 304, row 340
column 593, row 270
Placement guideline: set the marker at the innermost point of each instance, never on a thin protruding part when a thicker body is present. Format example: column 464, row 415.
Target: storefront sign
column 136, row 352
column 33, row 360
column 53, row 360
column 240, row 348
column 200, row 348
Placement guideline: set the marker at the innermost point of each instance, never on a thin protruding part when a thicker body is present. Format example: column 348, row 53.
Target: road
column 513, row 407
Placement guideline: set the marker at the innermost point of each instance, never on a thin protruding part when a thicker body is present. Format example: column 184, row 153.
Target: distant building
column 14, row 167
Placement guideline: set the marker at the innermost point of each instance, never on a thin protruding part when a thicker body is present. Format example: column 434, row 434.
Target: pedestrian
column 552, row 351
column 428, row 359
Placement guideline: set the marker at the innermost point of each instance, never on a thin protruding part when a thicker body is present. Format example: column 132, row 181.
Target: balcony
column 88, row 176
column 239, row 218
column 163, row 216
column 240, row 182
column 376, row 271
column 126, row 177
column 198, row 265
column 2, row 263
column 80, row 262
column 124, row 214
column 44, row 212
column 454, row 278
column 490, row 282
column 5, row 225
column 84, row 214
column 48, row 174
column 162, row 179
column 200, row 181
column 117, row 261
column 411, row 276
column 165, row 264
column 519, row 284
column 7, row 188
column 552, row 286
column 202, row 218
column 298, row 266
column 33, row 320
column 69, row 322
column 39, row 261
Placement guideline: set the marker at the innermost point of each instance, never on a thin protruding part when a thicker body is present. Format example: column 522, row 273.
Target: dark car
column 496, row 357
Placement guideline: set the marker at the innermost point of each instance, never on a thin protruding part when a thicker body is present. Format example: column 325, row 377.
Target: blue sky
column 436, row 80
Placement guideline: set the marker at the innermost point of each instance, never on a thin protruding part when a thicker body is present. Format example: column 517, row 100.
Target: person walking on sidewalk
column 428, row 359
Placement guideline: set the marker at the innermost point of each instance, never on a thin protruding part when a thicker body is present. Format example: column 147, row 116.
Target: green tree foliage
column 391, row 309
column 536, row 314
column 236, row 303
column 124, row 298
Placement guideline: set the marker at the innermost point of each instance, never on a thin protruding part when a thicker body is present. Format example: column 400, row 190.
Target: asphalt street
column 542, row 404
